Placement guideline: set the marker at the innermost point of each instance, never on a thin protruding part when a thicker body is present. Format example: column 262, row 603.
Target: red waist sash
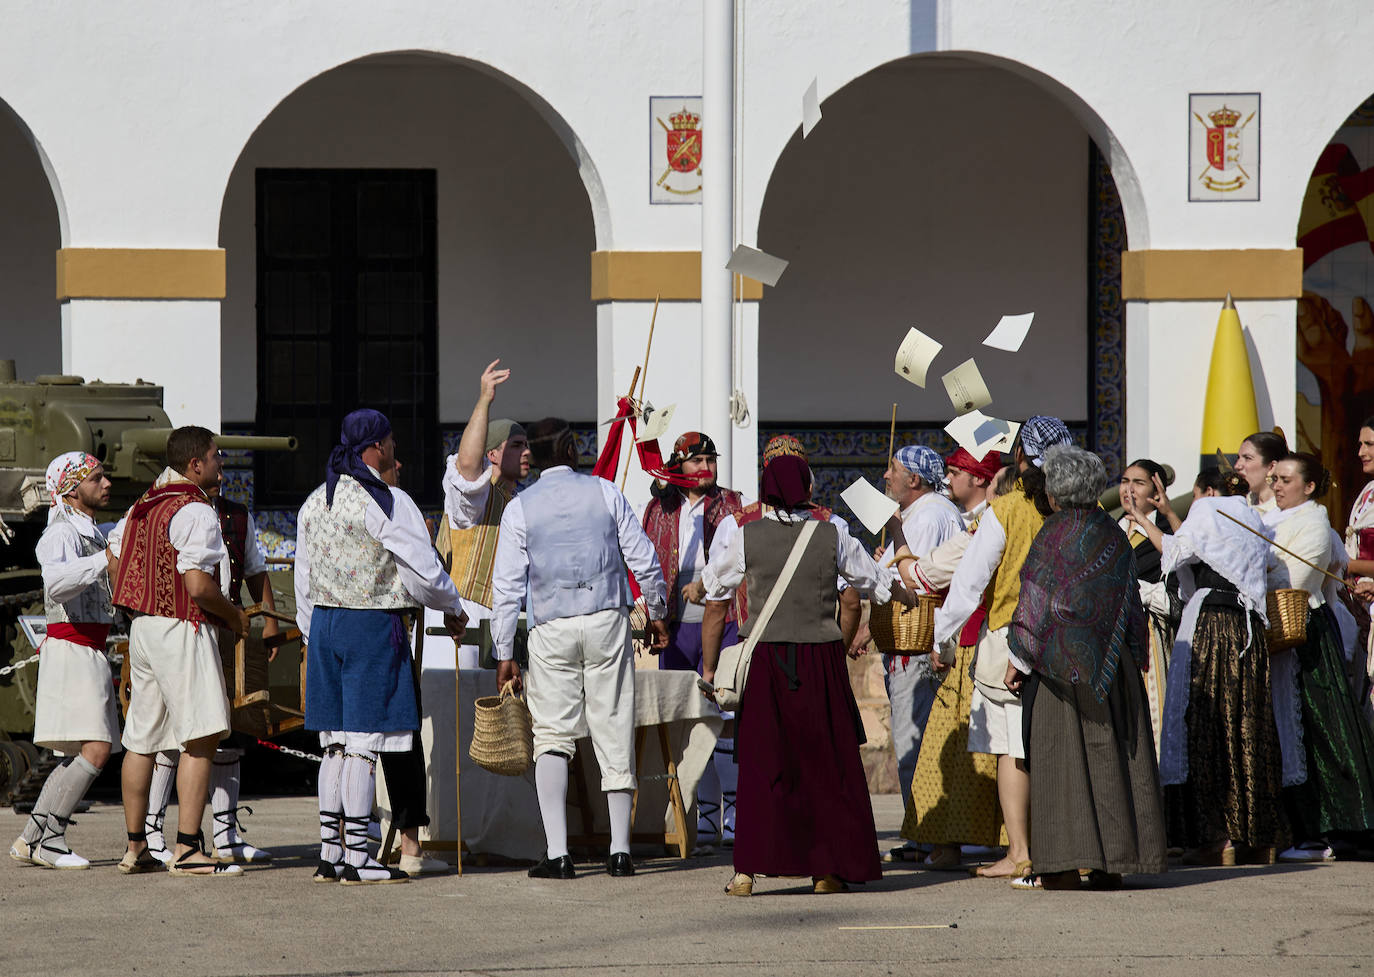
column 87, row 635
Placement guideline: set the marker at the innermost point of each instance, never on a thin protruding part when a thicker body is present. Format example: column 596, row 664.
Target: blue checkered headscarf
column 923, row 461
column 1039, row 435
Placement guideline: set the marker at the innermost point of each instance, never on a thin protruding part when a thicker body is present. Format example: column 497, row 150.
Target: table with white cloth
column 500, row 815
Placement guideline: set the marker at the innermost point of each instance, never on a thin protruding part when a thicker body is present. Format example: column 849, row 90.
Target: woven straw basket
column 502, row 739
column 896, row 627
column 1287, row 619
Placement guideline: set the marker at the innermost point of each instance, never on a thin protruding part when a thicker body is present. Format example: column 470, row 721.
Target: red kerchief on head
column 986, row 469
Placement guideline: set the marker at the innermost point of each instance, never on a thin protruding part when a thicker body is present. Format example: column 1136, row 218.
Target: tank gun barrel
column 153, row 441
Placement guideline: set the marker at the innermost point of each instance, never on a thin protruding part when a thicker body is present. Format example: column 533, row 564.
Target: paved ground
column 671, row 919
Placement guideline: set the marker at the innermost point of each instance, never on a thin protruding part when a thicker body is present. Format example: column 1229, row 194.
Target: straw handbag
column 1287, row 609
column 896, row 628
column 733, row 668
column 502, row 738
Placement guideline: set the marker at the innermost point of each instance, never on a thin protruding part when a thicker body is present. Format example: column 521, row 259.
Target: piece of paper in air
column 872, row 507
column 978, row 434
column 654, row 422
column 811, row 109
column 756, row 264
column 966, row 388
column 915, row 355
column 1010, row 332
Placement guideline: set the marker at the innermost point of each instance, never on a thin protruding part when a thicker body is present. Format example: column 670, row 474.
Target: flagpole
column 629, row 457
column 891, row 444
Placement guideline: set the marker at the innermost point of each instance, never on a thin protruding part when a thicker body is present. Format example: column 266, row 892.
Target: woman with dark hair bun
column 1328, row 750
column 1255, row 462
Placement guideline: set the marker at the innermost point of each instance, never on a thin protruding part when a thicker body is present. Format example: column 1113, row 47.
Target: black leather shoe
column 620, row 864
column 554, row 868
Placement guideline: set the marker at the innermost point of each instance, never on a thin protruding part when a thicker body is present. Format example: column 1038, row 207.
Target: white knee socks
column 727, row 770
column 331, row 806
column 359, row 789
column 619, row 804
column 159, row 796
column 72, row 780
column 551, row 783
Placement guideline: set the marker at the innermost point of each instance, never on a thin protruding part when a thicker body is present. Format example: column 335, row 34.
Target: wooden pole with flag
column 629, row 457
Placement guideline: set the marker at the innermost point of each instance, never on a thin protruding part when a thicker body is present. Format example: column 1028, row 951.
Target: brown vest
column 806, row 613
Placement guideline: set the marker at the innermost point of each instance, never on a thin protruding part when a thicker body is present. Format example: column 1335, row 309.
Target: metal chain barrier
column 298, row 754
column 9, row 669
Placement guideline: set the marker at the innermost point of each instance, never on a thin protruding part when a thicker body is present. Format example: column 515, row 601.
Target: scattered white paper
column 966, row 388
column 915, row 355
column 872, row 507
column 978, row 434
column 653, row 422
column 811, row 108
column 755, row 264
column 1010, row 332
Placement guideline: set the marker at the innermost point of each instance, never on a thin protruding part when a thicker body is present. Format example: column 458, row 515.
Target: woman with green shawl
column 1076, row 640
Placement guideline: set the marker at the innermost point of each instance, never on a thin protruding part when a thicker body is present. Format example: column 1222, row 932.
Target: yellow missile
column 1229, row 413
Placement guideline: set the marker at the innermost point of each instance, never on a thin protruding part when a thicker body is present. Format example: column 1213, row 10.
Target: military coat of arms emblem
column 1223, row 147
column 675, row 150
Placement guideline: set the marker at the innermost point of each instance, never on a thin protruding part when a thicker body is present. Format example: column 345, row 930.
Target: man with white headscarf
column 75, row 709
column 916, row 479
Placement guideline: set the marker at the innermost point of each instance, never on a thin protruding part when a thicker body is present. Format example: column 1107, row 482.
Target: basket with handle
column 502, row 737
column 898, row 628
column 1287, row 610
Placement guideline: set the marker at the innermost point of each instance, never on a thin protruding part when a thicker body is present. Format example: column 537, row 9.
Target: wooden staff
column 629, row 458
column 891, row 445
column 1285, row 549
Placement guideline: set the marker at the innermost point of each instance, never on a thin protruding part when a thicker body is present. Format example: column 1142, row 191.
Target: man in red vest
column 172, row 568
column 681, row 523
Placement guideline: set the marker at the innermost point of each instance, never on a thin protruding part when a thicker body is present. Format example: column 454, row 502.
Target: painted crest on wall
column 1224, row 147
column 675, row 149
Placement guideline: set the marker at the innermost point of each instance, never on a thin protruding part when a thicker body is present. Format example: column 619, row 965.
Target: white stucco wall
column 514, row 227
column 141, row 110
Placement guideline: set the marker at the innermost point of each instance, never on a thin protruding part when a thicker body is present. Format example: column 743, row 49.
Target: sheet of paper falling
column 978, row 434
column 966, row 388
column 654, row 422
column 811, row 108
column 872, row 507
column 756, row 264
column 1010, row 332
column 915, row 355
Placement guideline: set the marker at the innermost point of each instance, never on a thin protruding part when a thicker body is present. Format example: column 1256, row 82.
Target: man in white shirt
column 479, row 480
column 169, row 581
column 75, row 711
column 916, row 479
column 363, row 557
column 566, row 542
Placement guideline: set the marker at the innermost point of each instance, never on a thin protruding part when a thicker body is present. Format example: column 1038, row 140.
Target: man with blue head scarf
column 916, row 479
column 363, row 558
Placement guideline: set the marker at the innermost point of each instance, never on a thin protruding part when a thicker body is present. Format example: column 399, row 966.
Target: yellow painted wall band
column 1209, row 275
column 639, row 276
column 139, row 273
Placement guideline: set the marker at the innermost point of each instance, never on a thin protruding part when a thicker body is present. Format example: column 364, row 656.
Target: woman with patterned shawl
column 1079, row 633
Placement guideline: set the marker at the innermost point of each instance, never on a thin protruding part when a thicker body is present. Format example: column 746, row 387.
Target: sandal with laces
column 740, row 885
column 200, row 870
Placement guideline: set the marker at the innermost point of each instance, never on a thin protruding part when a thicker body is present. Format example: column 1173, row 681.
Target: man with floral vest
column 363, row 558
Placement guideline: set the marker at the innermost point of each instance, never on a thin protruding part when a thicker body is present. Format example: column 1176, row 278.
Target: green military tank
column 122, row 424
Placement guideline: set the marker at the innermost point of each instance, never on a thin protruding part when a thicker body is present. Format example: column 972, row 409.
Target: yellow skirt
column 953, row 792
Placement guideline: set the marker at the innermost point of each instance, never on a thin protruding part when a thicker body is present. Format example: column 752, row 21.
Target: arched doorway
column 30, row 234
column 1335, row 322
column 940, row 192
column 457, row 222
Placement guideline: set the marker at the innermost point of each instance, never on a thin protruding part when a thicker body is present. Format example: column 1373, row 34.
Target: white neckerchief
column 1276, row 517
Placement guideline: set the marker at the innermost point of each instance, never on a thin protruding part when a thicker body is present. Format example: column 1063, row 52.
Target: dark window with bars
column 347, row 285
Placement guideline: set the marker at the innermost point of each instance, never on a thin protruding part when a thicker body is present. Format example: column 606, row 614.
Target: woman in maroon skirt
column 803, row 798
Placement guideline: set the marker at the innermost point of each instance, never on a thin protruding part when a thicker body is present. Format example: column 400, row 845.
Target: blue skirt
column 358, row 674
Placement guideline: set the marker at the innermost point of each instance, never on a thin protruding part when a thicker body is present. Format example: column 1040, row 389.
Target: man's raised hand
column 491, row 379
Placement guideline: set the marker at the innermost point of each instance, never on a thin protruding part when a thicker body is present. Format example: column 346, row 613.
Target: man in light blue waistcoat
column 565, row 544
